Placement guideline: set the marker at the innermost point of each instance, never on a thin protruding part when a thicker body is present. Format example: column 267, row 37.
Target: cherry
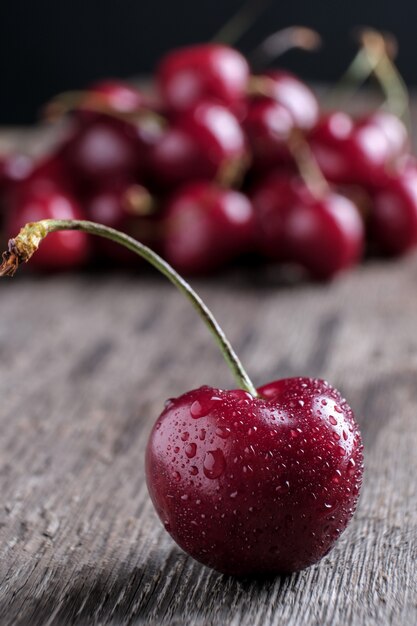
column 291, row 93
column 393, row 217
column 102, row 148
column 246, row 481
column 115, row 94
column 173, row 159
column 325, row 235
column 213, row 72
column 63, row 250
column 205, row 143
column 393, row 129
column 268, row 126
column 256, row 485
column 127, row 207
column 206, row 227
column 14, row 168
column 352, row 153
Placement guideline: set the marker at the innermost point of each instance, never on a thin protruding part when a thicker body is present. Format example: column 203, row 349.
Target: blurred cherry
column 126, row 207
column 206, row 227
column 393, row 218
column 205, row 72
column 206, row 143
column 62, row 250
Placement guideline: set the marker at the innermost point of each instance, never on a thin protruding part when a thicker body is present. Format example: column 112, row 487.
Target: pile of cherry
column 219, row 165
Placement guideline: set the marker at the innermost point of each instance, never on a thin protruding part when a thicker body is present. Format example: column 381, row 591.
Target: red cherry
column 393, row 129
column 61, row 250
column 268, row 126
column 14, row 168
column 256, row 485
column 205, row 143
column 205, row 227
column 103, row 148
column 328, row 140
column 118, row 95
column 324, row 235
column 393, row 218
column 127, row 208
column 293, row 94
column 173, row 159
column 351, row 153
column 213, row 72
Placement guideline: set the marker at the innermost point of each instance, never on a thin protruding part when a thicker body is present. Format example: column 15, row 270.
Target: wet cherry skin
column 256, row 485
column 210, row 72
column 205, row 227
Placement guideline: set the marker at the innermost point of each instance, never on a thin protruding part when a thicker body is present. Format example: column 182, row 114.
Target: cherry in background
column 289, row 91
column 127, row 207
column 42, row 195
column 324, row 234
column 268, row 126
column 205, row 143
column 100, row 149
column 207, row 72
column 393, row 218
column 205, row 227
column 358, row 152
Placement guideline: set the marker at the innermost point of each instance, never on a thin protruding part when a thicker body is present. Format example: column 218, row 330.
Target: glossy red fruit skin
column 59, row 251
column 294, row 95
column 14, row 168
column 392, row 222
column 210, row 72
column 102, row 148
column 393, row 129
column 116, row 94
column 256, row 486
column 173, row 160
column 349, row 152
column 268, row 126
column 325, row 235
column 205, row 227
column 205, row 143
column 110, row 206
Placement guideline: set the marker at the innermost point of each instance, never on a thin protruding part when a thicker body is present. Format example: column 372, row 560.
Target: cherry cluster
column 220, row 164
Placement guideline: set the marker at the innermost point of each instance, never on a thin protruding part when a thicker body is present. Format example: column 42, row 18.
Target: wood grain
column 86, row 364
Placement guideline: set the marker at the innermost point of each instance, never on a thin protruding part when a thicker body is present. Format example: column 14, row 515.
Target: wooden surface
column 86, row 364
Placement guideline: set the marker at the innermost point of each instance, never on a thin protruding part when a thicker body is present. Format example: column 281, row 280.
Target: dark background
column 47, row 47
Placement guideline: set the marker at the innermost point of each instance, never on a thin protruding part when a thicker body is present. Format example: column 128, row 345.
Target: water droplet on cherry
column 214, row 463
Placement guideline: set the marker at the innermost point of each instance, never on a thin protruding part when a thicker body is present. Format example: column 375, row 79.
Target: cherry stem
column 307, row 165
column 375, row 57
column 70, row 101
column 283, row 40
column 240, row 22
column 28, row 240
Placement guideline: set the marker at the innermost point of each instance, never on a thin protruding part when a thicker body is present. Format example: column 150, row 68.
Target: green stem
column 240, row 22
column 27, row 242
column 281, row 41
